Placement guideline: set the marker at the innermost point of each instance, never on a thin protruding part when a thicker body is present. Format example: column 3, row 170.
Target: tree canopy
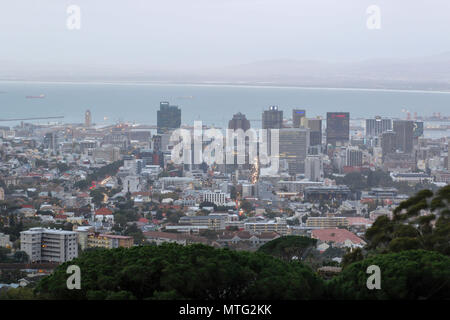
column 171, row 271
column 412, row 274
column 288, row 247
column 421, row 222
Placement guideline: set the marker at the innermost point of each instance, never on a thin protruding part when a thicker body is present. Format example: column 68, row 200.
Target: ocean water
column 213, row 104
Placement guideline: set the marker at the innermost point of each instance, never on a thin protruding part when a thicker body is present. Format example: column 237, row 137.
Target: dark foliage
column 413, row 274
column 172, row 271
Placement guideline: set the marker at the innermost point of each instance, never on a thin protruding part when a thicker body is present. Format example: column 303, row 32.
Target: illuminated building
column 50, row 245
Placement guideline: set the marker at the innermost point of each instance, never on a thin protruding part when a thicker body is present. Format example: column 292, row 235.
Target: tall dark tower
column 338, row 128
column 272, row 118
column 404, row 130
column 239, row 121
column 388, row 143
column 315, row 133
column 168, row 117
column 298, row 118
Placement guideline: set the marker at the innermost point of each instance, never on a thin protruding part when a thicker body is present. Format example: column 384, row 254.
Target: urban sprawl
column 65, row 188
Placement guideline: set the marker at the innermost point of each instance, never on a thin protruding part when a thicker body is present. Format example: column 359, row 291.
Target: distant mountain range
column 429, row 73
column 426, row 73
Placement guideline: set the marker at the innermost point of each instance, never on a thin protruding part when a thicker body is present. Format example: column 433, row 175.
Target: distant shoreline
column 220, row 84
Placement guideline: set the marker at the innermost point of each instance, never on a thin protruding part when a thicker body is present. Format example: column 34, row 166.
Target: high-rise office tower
column 377, row 126
column 298, row 118
column 51, row 140
column 168, row 117
column 239, row 121
column 315, row 132
column 293, row 148
column 353, row 157
column 272, row 118
column 338, row 128
column 157, row 142
column 314, row 168
column 87, row 119
column 388, row 143
column 404, row 130
column 417, row 131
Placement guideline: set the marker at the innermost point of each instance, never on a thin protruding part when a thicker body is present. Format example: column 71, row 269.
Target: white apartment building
column 411, row 177
column 42, row 244
column 217, row 197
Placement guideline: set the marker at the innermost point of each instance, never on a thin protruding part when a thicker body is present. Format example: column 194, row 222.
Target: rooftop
column 335, row 235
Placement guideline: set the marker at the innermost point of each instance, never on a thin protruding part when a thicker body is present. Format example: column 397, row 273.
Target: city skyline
column 217, row 158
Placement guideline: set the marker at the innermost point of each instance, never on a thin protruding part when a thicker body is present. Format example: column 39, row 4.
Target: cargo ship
column 41, row 96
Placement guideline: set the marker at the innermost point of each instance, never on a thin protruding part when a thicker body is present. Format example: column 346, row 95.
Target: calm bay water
column 213, row 104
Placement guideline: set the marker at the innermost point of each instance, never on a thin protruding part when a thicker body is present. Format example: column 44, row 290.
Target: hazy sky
column 197, row 33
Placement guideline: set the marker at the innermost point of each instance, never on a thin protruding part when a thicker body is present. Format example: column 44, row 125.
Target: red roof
column 335, row 235
column 27, row 206
column 103, row 211
column 143, row 220
column 358, row 221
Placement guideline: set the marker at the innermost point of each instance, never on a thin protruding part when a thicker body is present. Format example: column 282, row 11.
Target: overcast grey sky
column 198, row 33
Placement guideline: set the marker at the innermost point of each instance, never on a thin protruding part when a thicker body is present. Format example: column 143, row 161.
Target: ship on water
column 41, row 96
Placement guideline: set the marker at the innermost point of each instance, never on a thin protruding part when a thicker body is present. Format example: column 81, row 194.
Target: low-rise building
column 213, row 222
column 108, row 241
column 279, row 226
column 169, row 237
column 326, row 222
column 239, row 237
column 412, row 177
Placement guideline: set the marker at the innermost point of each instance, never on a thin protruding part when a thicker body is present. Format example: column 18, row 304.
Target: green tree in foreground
column 172, row 271
column 288, row 247
column 413, row 274
column 18, row 294
column 421, row 222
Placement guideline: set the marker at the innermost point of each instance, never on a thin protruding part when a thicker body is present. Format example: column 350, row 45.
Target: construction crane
column 34, row 118
column 408, row 114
